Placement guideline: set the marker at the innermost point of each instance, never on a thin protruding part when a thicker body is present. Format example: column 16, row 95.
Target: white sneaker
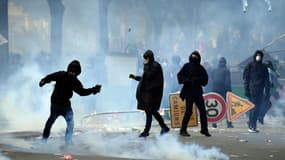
column 251, row 130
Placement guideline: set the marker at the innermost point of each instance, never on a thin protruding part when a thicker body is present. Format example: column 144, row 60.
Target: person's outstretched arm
column 137, row 78
column 80, row 90
column 50, row 77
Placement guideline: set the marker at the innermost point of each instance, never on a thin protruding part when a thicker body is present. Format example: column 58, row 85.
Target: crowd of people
column 260, row 82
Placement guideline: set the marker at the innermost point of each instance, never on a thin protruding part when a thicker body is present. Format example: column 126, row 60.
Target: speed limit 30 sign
column 215, row 107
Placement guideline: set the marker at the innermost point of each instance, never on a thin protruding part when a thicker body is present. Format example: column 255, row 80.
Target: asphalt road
column 236, row 143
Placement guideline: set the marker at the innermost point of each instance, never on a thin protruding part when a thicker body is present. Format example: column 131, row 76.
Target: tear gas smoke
column 26, row 106
column 3, row 157
column 127, row 145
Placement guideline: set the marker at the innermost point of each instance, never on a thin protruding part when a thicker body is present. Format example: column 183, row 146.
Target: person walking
column 149, row 92
column 257, row 87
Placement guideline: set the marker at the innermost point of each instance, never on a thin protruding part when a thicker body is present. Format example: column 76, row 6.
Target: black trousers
column 157, row 116
column 199, row 101
column 254, row 112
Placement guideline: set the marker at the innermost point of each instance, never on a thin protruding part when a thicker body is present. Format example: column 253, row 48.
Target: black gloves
column 42, row 82
column 96, row 89
column 132, row 76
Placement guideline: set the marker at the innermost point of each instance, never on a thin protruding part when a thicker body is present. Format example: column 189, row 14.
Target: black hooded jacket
column 256, row 78
column 193, row 76
column 66, row 83
column 221, row 77
column 150, row 88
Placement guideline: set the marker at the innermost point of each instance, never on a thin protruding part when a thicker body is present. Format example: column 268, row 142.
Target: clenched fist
column 132, row 76
column 96, row 89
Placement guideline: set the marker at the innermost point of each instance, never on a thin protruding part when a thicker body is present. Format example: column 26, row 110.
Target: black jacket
column 193, row 76
column 256, row 78
column 150, row 88
column 65, row 84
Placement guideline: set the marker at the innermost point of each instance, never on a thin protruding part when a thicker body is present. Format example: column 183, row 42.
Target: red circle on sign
column 220, row 99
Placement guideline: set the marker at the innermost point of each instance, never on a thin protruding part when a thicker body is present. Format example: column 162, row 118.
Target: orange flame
column 67, row 156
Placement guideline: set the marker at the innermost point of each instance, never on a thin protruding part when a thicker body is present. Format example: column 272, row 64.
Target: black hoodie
column 256, row 77
column 193, row 76
column 150, row 87
column 66, row 83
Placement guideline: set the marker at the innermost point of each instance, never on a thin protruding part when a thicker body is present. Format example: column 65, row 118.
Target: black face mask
column 195, row 60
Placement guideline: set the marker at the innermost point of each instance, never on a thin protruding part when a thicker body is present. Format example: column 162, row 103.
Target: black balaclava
column 149, row 54
column 195, row 57
column 74, row 67
column 256, row 54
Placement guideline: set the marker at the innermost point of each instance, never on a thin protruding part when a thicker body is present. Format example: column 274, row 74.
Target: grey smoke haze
column 215, row 28
column 185, row 27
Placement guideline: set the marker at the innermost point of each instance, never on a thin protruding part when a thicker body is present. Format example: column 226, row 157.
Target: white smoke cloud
column 165, row 147
column 128, row 145
column 3, row 157
column 24, row 103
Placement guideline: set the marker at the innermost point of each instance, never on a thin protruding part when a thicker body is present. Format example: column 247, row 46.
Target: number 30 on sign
column 215, row 107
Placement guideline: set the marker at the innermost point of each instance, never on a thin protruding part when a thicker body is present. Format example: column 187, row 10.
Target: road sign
column 237, row 106
column 177, row 110
column 215, row 106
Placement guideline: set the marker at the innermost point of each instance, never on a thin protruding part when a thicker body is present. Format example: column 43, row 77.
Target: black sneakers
column 164, row 131
column 144, row 134
column 261, row 121
column 184, row 134
column 205, row 133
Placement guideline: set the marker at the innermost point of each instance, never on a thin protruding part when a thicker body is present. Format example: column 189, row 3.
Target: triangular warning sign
column 237, row 106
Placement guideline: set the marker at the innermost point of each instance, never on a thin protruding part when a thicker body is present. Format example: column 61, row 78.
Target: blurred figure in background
column 170, row 82
column 173, row 70
column 274, row 84
column 221, row 77
column 209, row 69
column 149, row 92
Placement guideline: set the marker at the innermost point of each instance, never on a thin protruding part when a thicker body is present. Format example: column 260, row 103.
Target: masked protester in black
column 149, row 92
column 257, row 87
column 221, row 78
column 193, row 76
column 66, row 83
